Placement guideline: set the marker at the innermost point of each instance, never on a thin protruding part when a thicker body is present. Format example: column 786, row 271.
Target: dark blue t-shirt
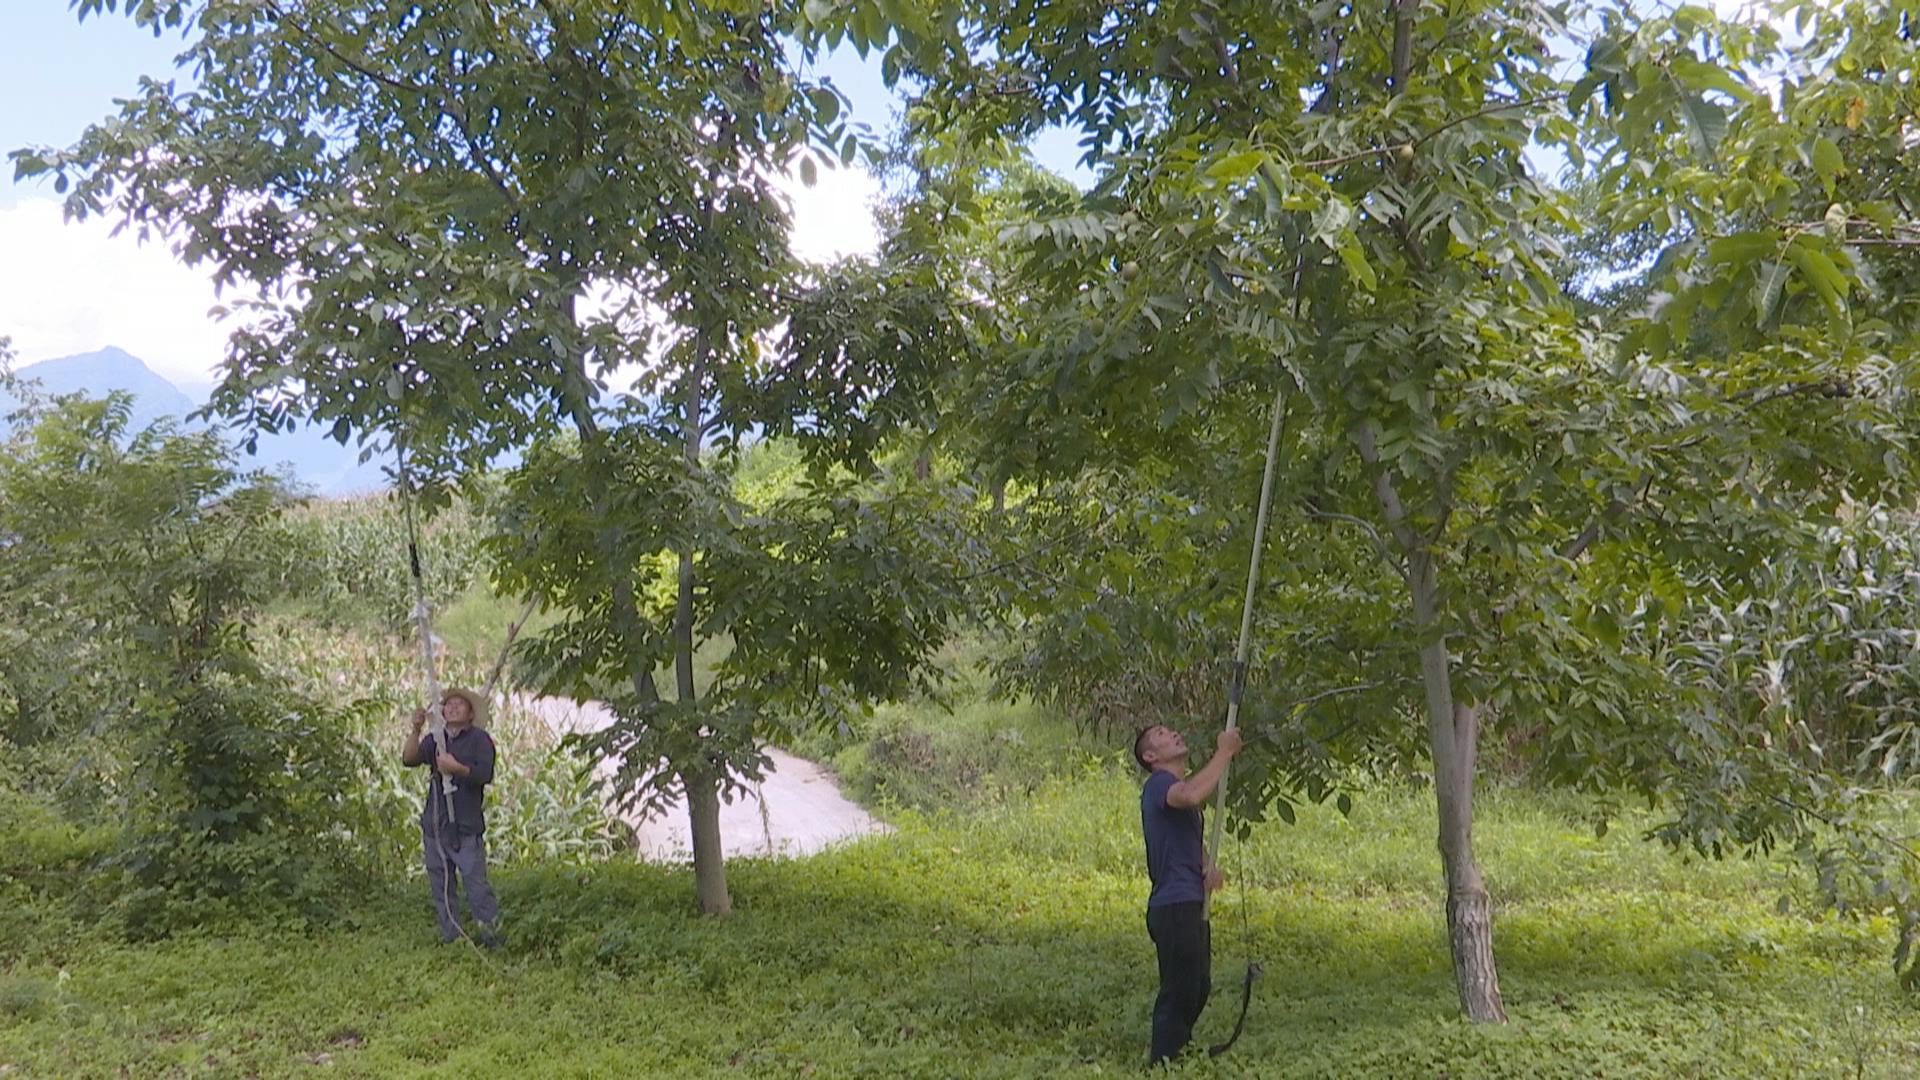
column 473, row 748
column 1176, row 854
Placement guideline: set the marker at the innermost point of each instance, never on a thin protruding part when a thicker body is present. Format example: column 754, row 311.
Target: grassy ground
column 1008, row 942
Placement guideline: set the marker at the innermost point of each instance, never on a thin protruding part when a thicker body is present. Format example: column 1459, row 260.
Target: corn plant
column 544, row 805
column 351, row 555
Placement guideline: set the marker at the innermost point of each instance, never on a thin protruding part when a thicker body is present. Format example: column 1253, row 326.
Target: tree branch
column 356, row 65
column 1578, row 546
column 580, row 68
column 1754, row 397
column 506, row 648
column 1501, row 106
column 1337, row 691
column 1750, row 399
column 1332, row 43
column 1403, row 12
column 1418, row 140
column 1379, row 542
column 1388, row 495
column 474, row 156
column 1444, row 483
column 1871, row 830
column 1024, row 557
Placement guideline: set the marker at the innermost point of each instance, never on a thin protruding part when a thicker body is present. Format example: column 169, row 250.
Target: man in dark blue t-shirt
column 455, row 849
column 1182, row 875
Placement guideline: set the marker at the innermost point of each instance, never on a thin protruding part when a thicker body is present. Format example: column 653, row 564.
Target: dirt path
column 798, row 809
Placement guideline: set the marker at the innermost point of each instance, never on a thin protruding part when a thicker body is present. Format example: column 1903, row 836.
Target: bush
column 137, row 561
column 45, row 865
column 250, row 792
column 922, row 756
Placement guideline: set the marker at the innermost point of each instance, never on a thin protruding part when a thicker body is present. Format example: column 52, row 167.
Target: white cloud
column 73, row 287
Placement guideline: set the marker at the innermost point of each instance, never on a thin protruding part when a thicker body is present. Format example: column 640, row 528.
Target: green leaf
column 1697, row 74
column 1331, row 219
column 1836, row 221
column 809, row 172
column 1741, row 248
column 1828, row 162
column 1822, row 274
column 1357, row 266
column 1582, row 91
column 1220, row 279
column 1284, row 811
column 1607, row 56
column 1236, row 167
column 1767, row 290
column 1706, row 123
column 826, row 105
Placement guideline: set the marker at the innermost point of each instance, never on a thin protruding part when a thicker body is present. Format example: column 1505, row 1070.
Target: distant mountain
column 313, row 459
column 318, row 462
column 95, row 373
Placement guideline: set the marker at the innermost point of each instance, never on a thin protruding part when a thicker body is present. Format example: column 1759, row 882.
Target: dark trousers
column 447, row 868
column 1184, row 942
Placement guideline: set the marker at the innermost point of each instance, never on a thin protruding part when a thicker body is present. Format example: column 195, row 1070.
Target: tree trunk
column 626, row 608
column 1455, row 732
column 703, row 802
column 703, row 787
column 709, row 861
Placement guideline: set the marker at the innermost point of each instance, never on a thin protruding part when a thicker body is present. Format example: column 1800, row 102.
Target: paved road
column 798, row 809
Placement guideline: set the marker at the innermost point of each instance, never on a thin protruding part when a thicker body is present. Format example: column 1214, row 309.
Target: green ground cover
column 1006, row 940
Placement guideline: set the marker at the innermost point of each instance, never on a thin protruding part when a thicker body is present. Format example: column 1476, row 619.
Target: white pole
column 423, row 624
column 1240, row 656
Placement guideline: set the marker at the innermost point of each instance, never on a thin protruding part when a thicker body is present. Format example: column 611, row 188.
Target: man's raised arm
column 1195, row 790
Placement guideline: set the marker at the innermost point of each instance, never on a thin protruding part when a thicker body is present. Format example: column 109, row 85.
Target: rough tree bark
column 1454, row 732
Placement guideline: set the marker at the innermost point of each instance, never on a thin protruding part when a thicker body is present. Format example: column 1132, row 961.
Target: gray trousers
column 446, row 869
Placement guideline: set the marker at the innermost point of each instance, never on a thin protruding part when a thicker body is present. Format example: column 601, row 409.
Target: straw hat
column 476, row 703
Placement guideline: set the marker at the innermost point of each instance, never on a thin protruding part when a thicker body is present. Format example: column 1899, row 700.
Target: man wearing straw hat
column 456, row 850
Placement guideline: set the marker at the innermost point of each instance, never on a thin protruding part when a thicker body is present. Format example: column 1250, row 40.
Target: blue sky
column 57, row 75
column 73, row 287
